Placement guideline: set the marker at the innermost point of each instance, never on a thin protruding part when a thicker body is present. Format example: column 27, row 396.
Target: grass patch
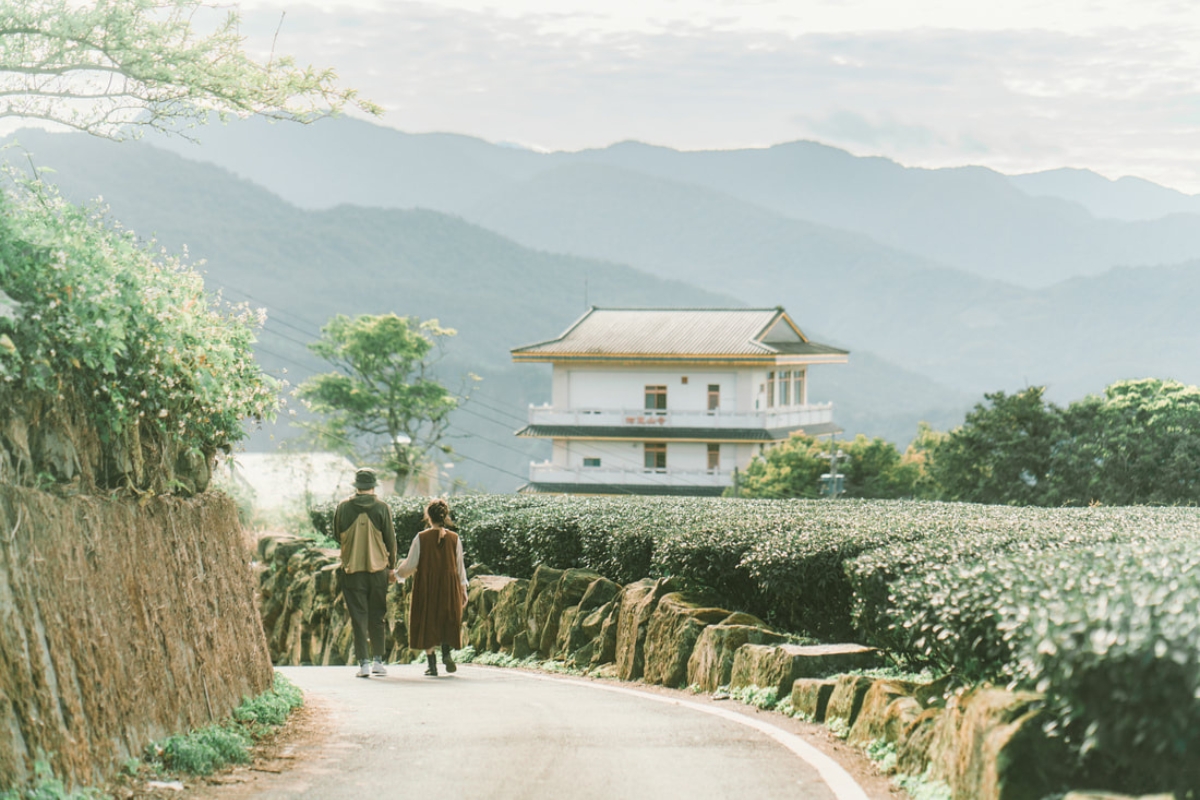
column 49, row 787
column 883, row 754
column 921, row 787
column 757, row 696
column 204, row 751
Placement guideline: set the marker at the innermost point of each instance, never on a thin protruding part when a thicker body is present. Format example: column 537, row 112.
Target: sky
column 1018, row 86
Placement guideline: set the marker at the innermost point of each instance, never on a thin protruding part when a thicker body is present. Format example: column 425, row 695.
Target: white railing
column 547, row 472
column 784, row 417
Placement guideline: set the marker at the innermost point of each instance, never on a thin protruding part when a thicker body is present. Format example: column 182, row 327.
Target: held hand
column 392, row 577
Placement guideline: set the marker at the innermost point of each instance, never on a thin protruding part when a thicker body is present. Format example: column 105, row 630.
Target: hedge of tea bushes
column 780, row 560
column 953, row 533
column 1110, row 632
column 783, row 560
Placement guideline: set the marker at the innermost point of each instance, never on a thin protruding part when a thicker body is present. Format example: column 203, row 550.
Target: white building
column 671, row 401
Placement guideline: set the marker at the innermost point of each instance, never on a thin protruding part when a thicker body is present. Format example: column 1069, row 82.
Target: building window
column 771, row 389
column 656, row 399
column 785, row 384
column 714, row 397
column 714, row 457
column 591, row 462
column 656, row 456
column 798, row 394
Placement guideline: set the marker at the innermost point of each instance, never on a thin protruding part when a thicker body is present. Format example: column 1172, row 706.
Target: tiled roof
column 642, row 434
column 677, row 332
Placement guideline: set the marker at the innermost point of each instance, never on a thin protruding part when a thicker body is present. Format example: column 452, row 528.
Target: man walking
column 363, row 526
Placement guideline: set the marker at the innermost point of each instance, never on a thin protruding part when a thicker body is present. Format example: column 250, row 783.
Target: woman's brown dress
column 435, row 611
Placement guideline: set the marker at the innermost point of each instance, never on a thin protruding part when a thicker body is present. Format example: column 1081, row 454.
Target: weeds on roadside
column 203, row 751
column 759, row 697
column 49, row 787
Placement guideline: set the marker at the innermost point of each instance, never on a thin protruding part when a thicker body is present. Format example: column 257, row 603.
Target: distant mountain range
column 1019, row 230
column 508, row 245
column 1130, row 199
column 956, row 274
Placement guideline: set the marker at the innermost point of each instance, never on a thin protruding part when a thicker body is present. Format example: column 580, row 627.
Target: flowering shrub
column 92, row 319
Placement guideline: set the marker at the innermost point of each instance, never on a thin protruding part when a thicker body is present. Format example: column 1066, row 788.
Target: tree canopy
column 383, row 406
column 872, row 468
column 1138, row 442
column 105, row 65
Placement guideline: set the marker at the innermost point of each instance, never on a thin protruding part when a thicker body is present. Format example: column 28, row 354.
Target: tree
column 1002, row 453
column 383, row 407
column 872, row 468
column 1137, row 443
column 105, row 65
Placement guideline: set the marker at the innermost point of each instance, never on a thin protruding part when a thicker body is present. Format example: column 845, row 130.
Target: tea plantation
column 1099, row 608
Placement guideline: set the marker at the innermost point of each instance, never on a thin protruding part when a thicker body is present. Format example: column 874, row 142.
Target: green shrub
column 271, row 708
column 95, row 323
column 203, row 751
column 1110, row 632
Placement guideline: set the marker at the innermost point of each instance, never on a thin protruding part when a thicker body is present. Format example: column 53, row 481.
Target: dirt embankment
column 120, row 623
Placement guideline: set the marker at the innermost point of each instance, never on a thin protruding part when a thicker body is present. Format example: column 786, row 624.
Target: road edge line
column 839, row 781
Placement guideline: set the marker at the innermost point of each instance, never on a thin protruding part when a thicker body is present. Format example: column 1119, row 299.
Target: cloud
column 886, row 132
column 1119, row 100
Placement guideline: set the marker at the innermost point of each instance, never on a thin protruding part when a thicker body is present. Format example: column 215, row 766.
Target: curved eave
column 756, row 359
column 610, row 433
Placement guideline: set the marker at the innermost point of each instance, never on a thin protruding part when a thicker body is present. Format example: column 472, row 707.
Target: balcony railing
column 783, row 417
column 547, row 472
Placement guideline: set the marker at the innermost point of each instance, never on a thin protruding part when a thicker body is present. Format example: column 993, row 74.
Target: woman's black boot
column 432, row 668
column 448, row 659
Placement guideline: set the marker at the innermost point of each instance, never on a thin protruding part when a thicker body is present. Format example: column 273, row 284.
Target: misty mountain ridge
column 970, row 218
column 1128, row 198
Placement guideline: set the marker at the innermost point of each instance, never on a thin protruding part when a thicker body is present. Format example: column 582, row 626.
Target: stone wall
column 120, row 623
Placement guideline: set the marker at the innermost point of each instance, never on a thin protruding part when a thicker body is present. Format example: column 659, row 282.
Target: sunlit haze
column 1022, row 86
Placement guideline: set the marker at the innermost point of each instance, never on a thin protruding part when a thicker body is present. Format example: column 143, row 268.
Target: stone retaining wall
column 120, row 623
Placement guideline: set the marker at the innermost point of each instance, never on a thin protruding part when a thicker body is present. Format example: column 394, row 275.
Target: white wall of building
column 681, row 456
column 624, row 388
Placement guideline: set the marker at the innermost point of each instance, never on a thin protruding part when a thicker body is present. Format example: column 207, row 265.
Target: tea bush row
column 1110, row 631
column 806, row 565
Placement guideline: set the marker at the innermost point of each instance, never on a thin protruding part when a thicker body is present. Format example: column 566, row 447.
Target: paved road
column 497, row 733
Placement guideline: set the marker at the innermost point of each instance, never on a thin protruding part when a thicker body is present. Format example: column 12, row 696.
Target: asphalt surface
column 501, row 733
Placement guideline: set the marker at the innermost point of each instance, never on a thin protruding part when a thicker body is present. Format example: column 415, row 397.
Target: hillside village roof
column 671, row 334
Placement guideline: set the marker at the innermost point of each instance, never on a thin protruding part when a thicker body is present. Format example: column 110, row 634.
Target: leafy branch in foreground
column 104, row 65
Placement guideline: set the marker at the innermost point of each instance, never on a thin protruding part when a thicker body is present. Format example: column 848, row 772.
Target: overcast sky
column 1018, row 86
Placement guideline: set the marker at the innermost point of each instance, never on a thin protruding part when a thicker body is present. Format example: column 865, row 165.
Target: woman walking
column 439, row 590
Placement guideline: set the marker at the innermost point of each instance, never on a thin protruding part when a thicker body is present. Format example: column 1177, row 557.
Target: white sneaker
column 364, row 669
column 377, row 668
